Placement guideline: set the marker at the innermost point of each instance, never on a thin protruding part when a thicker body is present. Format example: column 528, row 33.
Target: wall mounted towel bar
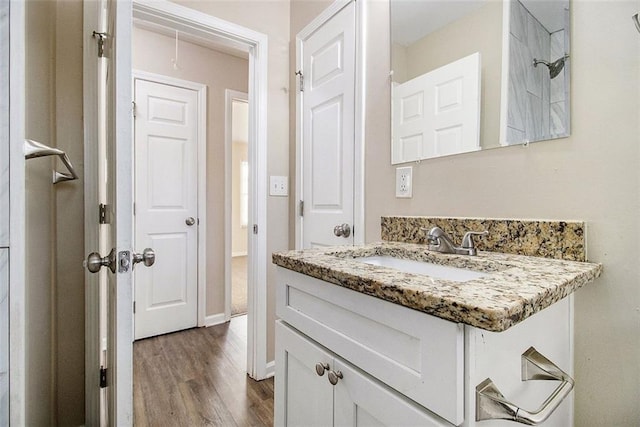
column 34, row 149
column 492, row 405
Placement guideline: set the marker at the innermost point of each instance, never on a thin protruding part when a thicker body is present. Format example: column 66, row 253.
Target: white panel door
column 166, row 135
column 437, row 113
column 108, row 178
column 328, row 139
column 303, row 398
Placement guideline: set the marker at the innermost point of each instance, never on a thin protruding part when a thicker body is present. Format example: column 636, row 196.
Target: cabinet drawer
column 418, row 355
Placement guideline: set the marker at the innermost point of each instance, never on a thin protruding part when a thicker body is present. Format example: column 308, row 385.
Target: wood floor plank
column 197, row 377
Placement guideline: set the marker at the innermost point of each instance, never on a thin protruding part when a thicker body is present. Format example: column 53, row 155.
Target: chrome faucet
column 440, row 242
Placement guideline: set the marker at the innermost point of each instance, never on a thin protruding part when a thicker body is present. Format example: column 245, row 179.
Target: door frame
column 229, row 96
column 360, row 110
column 190, row 21
column 17, row 232
column 201, row 161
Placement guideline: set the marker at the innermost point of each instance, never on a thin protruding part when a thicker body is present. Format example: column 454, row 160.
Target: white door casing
column 437, row 113
column 328, row 175
column 108, row 95
column 196, row 23
column 168, row 127
column 230, row 97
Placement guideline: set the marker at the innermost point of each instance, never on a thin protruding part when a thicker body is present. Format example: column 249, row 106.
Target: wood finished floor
column 197, row 377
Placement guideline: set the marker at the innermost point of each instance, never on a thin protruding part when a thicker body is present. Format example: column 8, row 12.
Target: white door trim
column 193, row 22
column 358, row 169
column 201, row 89
column 17, row 251
column 229, row 96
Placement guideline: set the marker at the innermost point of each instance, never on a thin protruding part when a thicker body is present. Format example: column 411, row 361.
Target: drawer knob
column 321, row 367
column 334, row 377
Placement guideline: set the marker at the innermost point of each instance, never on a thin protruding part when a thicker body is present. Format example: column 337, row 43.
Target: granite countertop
column 514, row 288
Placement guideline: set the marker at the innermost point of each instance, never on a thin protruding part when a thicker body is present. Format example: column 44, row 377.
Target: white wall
column 591, row 176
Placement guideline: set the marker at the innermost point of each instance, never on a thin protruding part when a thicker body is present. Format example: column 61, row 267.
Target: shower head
column 554, row 67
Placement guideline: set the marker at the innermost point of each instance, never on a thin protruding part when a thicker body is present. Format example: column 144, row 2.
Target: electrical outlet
column 404, row 182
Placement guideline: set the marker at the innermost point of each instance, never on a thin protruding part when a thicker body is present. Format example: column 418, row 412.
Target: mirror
column 477, row 74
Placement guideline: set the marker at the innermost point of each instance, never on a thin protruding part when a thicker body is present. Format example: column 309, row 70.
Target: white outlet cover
column 404, row 182
column 278, row 185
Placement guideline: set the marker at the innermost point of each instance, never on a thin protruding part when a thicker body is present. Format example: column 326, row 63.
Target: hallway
column 198, row 377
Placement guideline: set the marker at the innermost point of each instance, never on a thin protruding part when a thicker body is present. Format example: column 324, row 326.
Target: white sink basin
column 426, row 268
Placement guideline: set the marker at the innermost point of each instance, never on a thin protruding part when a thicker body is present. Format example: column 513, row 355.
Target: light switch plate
column 404, row 184
column 278, row 185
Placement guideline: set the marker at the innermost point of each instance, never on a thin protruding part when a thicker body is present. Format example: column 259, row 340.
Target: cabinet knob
column 321, row 367
column 334, row 377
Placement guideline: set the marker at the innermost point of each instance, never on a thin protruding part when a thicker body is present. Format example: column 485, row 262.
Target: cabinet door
column 302, row 397
column 359, row 400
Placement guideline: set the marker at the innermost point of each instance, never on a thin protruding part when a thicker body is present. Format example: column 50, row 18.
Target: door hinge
column 102, row 213
column 299, row 73
column 101, row 37
column 301, row 207
column 133, row 109
column 255, row 228
column 134, row 307
column 103, row 377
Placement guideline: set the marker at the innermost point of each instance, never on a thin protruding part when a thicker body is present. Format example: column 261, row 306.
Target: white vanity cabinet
column 307, row 396
column 400, row 366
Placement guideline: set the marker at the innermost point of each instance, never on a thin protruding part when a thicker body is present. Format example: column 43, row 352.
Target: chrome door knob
column 148, row 257
column 334, row 377
column 190, row 221
column 342, row 230
column 95, row 262
column 321, row 367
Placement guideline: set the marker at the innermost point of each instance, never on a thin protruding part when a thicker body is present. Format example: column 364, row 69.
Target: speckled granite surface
column 549, row 239
column 514, row 288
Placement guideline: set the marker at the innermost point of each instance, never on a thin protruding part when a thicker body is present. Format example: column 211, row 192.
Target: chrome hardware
column 334, row 377
column 492, row 405
column 148, row 257
column 468, row 243
column 342, row 230
column 94, row 261
column 190, row 221
column 123, row 265
column 440, row 242
column 34, row 149
column 321, row 367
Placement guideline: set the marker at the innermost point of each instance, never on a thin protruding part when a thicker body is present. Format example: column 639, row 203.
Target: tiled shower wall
column 536, row 102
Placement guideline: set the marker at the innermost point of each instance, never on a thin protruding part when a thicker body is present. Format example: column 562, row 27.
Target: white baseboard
column 270, row 369
column 241, row 253
column 214, row 319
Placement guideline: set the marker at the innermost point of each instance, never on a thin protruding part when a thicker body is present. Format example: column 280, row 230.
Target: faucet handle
column 467, row 240
column 432, row 234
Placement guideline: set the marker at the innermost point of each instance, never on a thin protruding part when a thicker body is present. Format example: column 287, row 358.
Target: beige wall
column 69, row 247
column 592, row 176
column 54, row 223
column 39, row 285
column 270, row 17
column 153, row 52
column 480, row 31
